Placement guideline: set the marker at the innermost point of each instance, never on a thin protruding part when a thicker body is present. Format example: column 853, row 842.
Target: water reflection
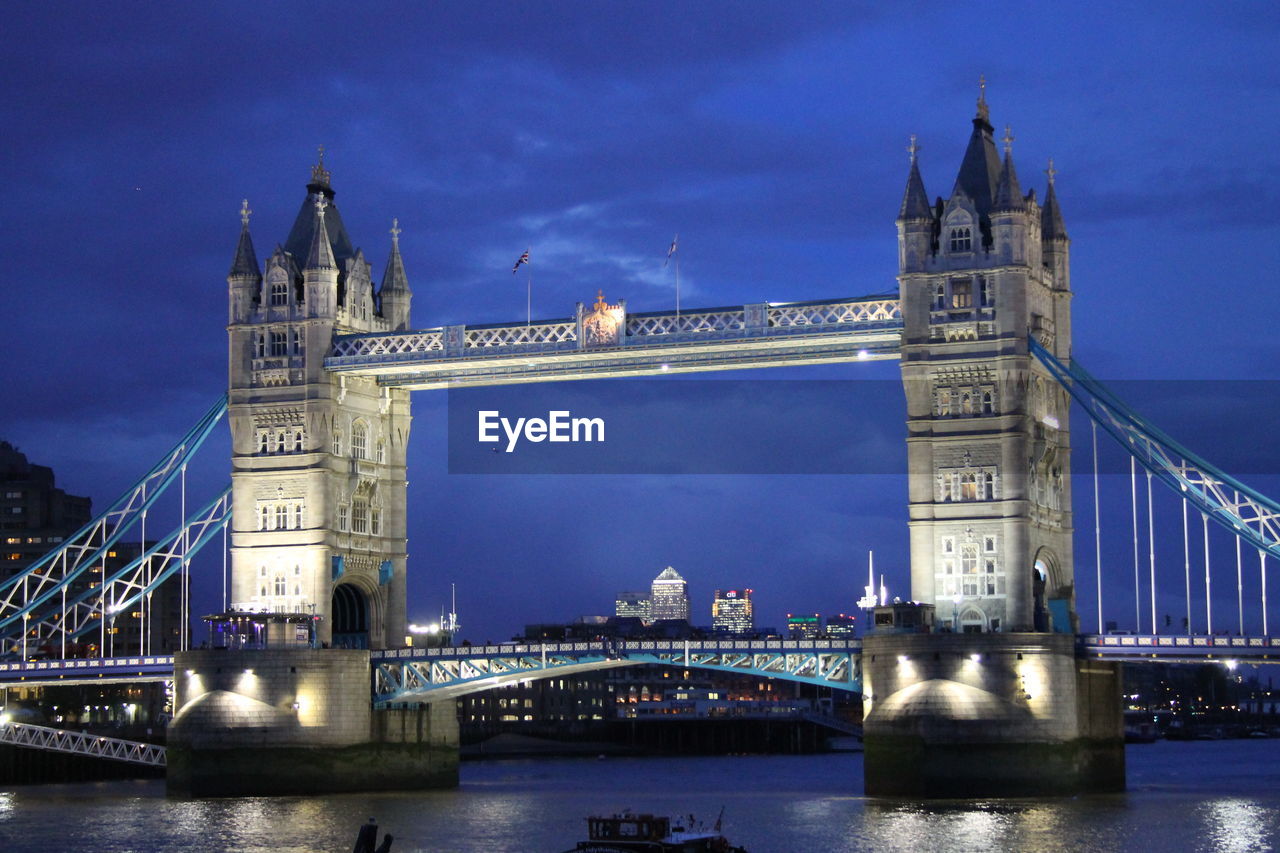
column 1236, row 826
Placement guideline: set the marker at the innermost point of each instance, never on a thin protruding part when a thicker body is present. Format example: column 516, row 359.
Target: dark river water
column 1210, row 796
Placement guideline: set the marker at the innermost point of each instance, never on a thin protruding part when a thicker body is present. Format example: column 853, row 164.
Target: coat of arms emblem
column 603, row 326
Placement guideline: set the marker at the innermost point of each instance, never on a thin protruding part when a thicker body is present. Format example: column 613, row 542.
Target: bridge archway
column 351, row 617
column 1051, row 599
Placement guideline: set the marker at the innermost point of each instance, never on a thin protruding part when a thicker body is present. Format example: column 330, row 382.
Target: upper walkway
column 606, row 341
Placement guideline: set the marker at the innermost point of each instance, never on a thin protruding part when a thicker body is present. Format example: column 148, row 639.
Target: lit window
column 282, row 516
column 962, row 294
column 281, row 587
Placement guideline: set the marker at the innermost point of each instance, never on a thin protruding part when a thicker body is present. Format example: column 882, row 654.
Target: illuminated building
column 805, row 626
column 631, row 605
column 731, row 611
column 841, row 625
column 669, row 597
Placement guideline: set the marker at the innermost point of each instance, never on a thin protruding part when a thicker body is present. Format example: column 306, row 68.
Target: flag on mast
column 671, row 251
column 523, row 259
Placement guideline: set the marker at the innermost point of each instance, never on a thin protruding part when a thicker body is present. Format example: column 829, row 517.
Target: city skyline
column 772, row 142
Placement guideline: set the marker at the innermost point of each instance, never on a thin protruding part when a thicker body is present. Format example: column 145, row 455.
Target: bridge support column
column 989, row 715
column 299, row 721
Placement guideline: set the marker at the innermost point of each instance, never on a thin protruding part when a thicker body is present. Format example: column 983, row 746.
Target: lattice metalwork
column 835, row 313
column 39, row 673
column 396, row 344
column 88, row 545
column 61, row 615
column 1167, row 647
column 410, row 675
column 1241, row 509
column 535, row 334
column 79, row 743
column 689, row 322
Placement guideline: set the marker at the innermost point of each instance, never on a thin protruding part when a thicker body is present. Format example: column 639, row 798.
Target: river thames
column 1210, row 796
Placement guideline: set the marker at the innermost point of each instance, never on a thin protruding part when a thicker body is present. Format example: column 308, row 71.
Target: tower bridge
column 1002, row 696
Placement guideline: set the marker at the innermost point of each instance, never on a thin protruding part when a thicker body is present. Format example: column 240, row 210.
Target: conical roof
column 245, row 262
column 979, row 173
column 1051, row 225
column 302, row 235
column 669, row 574
column 915, row 201
column 1008, row 192
column 394, row 279
column 320, row 253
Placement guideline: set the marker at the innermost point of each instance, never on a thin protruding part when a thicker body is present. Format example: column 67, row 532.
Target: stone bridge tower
column 318, row 463
column 988, row 445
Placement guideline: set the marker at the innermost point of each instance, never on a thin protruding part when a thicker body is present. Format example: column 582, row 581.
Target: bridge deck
column 610, row 342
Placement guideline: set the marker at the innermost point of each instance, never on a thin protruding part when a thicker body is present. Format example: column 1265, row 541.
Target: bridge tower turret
column 318, row 464
column 988, row 444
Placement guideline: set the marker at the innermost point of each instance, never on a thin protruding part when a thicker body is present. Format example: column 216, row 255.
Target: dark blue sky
column 771, row 136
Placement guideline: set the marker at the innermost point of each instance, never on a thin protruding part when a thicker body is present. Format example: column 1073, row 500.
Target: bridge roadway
column 400, row 674
column 609, row 342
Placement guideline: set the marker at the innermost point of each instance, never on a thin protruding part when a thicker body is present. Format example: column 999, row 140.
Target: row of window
column 363, row 517
column 280, row 441
column 964, row 400
column 360, row 444
column 958, row 294
column 32, row 540
column 276, row 343
column 973, row 484
column 280, row 515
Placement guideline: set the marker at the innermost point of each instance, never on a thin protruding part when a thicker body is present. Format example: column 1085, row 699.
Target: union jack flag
column 523, row 259
column 672, row 250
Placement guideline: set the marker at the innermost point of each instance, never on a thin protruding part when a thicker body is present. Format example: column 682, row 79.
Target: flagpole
column 528, row 294
column 677, row 286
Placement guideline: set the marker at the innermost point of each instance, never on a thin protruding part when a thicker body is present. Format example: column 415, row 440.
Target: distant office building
column 34, row 514
column 631, row 605
column 840, row 625
column 805, row 626
column 731, row 611
column 36, row 517
column 669, row 596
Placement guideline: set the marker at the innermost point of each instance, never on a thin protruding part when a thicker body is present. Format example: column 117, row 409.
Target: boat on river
column 647, row 833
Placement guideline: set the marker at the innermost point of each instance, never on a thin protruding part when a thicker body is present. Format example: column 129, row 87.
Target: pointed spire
column 319, row 174
column 1051, row 225
column 915, row 201
column 1008, row 192
column 394, row 279
column 321, row 254
column 245, row 262
column 980, row 169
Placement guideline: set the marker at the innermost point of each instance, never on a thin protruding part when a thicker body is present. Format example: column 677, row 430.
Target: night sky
column 771, row 136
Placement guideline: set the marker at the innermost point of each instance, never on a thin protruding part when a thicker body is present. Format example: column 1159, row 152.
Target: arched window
column 968, row 486
column 297, row 516
column 281, row 588
column 296, row 339
column 359, row 440
column 297, row 441
column 260, row 345
column 382, row 453
column 279, row 291
column 279, row 346
column 961, row 239
column 375, row 521
column 337, row 443
column 988, row 486
column 359, row 515
column 262, row 441
column 939, row 297
column 988, row 403
column 342, row 516
column 282, row 517
column 264, row 519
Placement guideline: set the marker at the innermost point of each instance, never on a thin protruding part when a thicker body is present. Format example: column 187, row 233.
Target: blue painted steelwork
column 702, row 339
column 87, row 670
column 1244, row 511
column 39, row 583
column 1168, row 648
column 406, row 676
